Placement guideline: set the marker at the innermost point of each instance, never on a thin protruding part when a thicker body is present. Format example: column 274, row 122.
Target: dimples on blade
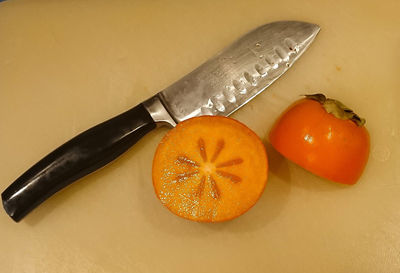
column 227, row 81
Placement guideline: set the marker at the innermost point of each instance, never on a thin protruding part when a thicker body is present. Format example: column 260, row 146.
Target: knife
column 220, row 86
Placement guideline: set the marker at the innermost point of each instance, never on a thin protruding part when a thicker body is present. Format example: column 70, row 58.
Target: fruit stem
column 336, row 108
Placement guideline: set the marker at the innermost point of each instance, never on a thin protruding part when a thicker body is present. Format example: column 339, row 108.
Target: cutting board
column 68, row 65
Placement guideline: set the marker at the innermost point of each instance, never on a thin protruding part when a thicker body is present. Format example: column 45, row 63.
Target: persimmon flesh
column 210, row 169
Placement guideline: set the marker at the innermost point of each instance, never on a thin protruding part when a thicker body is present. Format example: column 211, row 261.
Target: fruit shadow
column 313, row 183
column 268, row 207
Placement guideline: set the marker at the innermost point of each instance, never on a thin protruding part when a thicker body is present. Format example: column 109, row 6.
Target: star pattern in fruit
column 207, row 167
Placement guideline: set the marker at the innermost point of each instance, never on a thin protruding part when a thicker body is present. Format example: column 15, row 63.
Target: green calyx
column 336, row 108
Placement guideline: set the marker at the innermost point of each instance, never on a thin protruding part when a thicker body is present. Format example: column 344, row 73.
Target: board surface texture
column 68, row 65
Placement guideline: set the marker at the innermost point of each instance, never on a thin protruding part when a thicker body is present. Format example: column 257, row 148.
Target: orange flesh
column 329, row 147
column 210, row 169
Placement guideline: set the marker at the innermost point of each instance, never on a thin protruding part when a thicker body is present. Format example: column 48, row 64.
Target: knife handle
column 76, row 158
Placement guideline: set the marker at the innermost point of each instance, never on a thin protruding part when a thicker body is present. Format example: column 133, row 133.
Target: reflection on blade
column 237, row 74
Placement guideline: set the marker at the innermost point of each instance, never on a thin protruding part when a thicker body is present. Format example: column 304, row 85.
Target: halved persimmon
column 210, row 169
column 323, row 136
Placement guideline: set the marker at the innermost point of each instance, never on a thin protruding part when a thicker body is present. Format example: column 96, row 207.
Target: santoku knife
column 220, row 86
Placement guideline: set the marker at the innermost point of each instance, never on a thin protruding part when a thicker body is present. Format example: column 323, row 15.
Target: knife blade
column 220, row 86
column 233, row 77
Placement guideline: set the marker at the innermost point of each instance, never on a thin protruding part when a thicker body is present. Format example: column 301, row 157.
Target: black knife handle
column 78, row 157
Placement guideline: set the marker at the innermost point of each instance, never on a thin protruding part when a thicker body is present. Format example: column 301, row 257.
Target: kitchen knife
column 220, row 86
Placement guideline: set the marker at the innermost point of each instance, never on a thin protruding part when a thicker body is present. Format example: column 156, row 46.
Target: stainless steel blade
column 230, row 79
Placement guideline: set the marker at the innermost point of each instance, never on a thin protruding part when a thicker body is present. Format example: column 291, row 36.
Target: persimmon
column 210, row 169
column 324, row 137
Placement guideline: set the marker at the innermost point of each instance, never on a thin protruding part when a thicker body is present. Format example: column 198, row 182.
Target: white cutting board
column 68, row 65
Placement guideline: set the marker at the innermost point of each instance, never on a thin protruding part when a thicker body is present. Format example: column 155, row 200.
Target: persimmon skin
column 210, row 169
column 321, row 143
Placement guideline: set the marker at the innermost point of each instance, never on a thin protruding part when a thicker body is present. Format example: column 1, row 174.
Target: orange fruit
column 323, row 136
column 210, row 169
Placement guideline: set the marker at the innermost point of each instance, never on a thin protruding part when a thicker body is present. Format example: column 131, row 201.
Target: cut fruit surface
column 210, row 169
